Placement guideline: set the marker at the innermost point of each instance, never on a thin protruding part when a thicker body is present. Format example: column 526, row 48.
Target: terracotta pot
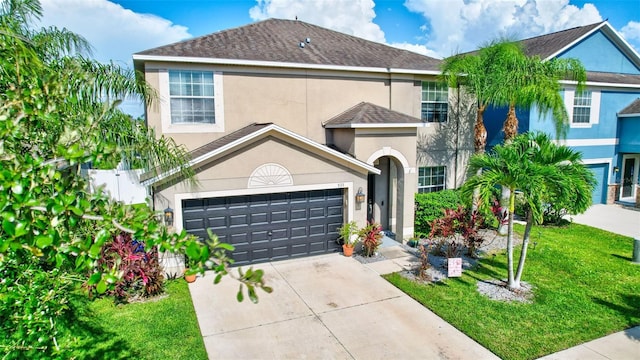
column 189, row 278
column 347, row 250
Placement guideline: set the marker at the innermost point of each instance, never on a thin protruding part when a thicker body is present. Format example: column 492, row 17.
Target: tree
column 530, row 81
column 542, row 171
column 58, row 110
column 481, row 75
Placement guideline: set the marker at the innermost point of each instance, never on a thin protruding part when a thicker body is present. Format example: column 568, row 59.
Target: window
column 435, row 101
column 581, row 107
column 191, row 97
column 431, row 179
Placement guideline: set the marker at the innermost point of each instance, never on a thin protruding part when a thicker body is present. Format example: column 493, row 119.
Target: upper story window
column 191, row 100
column 435, row 101
column 431, row 179
column 191, row 97
column 581, row 107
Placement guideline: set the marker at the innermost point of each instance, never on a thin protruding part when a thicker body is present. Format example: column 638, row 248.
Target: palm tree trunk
column 510, row 129
column 480, row 144
column 479, row 131
column 510, row 126
column 525, row 243
column 512, row 201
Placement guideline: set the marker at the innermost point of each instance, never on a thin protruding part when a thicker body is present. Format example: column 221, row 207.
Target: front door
column 629, row 177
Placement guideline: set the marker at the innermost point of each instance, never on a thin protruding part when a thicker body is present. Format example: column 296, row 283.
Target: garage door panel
column 299, row 232
column 269, row 227
column 194, row 224
column 279, row 216
column 298, row 214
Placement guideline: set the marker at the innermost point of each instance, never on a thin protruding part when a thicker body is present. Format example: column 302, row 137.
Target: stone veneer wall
column 613, row 193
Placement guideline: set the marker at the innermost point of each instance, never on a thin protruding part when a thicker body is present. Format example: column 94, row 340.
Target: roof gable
column 632, row 109
column 369, row 115
column 293, row 42
column 244, row 136
column 588, row 44
column 549, row 45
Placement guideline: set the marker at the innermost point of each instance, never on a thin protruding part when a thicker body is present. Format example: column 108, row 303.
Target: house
column 295, row 129
column 604, row 118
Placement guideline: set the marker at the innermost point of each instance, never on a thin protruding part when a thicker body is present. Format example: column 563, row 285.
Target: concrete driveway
column 324, row 307
column 613, row 218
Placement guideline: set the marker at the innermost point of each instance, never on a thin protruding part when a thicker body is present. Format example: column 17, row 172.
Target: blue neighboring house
column 604, row 118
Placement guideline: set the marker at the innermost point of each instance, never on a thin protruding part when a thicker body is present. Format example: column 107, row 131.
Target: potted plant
column 371, row 237
column 189, row 264
column 348, row 233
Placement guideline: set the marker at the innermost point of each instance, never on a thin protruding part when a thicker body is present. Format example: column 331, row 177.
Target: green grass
column 585, row 287
column 162, row 329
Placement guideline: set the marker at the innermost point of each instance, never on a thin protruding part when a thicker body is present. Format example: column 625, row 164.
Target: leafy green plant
column 371, row 237
column 431, row 206
column 53, row 119
column 37, row 310
column 348, row 233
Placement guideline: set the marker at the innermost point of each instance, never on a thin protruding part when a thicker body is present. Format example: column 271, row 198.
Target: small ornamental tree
column 543, row 172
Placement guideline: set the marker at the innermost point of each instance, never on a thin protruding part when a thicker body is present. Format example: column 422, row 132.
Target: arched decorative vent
column 270, row 175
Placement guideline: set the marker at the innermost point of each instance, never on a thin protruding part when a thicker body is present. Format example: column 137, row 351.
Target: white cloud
column 417, row 48
column 354, row 17
column 631, row 32
column 114, row 32
column 463, row 25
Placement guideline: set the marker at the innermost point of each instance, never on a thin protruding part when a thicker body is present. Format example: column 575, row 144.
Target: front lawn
column 585, row 287
column 166, row 328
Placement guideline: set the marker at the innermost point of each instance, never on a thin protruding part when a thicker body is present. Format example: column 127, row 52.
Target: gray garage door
column 270, row 227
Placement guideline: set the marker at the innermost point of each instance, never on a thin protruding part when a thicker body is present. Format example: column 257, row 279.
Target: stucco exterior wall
column 298, row 100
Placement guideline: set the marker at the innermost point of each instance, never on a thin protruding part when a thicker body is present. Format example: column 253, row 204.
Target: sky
column 437, row 28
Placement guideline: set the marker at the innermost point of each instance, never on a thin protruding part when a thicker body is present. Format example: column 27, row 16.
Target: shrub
column 431, row 206
column 31, row 298
column 371, row 237
column 141, row 271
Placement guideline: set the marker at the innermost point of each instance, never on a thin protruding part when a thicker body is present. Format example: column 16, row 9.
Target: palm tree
column 87, row 98
column 543, row 171
column 530, row 81
column 480, row 75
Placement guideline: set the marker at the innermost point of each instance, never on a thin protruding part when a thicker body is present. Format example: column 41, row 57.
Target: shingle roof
column 631, row 109
column 276, row 40
column 215, row 144
column 549, row 44
column 613, row 78
column 366, row 114
column 227, row 139
column 239, row 138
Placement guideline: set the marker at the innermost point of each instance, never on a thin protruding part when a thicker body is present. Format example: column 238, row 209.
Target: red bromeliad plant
column 371, row 236
column 460, row 221
column 141, row 271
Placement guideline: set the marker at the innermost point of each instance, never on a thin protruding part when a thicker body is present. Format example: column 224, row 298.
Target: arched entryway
column 386, row 195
